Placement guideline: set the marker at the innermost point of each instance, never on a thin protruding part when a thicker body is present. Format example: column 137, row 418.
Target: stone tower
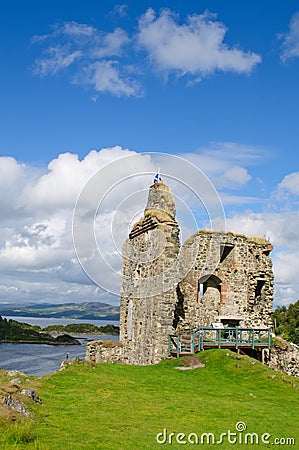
column 148, row 294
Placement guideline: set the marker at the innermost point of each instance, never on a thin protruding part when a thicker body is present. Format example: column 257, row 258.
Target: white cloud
column 120, row 10
column 111, row 61
column 37, row 258
column 280, row 227
column 112, row 44
column 75, row 30
column 196, row 47
column 59, row 187
column 55, row 60
column 226, row 163
column 285, row 295
column 290, row 184
column 14, row 177
column 237, row 176
column 50, row 290
column 90, row 56
column 290, row 45
column 36, row 244
column 286, row 268
column 10, row 171
column 104, row 76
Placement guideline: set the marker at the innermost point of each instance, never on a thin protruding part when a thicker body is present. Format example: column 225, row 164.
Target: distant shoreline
column 45, row 321
column 56, row 344
column 44, row 331
column 23, row 314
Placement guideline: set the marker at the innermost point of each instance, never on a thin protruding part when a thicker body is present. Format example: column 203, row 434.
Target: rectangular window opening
column 225, row 250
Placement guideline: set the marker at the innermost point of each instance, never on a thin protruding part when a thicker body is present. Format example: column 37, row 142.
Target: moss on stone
column 161, row 216
column 156, row 214
column 106, row 344
column 259, row 240
column 255, row 239
column 111, row 344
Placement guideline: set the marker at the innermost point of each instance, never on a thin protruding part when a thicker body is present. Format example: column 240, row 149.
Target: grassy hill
column 122, row 407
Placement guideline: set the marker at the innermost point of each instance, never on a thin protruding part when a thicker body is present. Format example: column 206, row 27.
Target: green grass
column 101, row 406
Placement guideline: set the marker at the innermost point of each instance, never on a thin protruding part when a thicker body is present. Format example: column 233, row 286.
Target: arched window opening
column 207, row 285
column 211, row 291
column 259, row 287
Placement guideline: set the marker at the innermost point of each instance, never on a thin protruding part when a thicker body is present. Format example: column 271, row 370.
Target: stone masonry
column 231, row 282
column 169, row 288
column 149, row 254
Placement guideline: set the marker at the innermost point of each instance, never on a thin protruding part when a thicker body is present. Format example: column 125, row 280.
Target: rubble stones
column 15, row 404
column 31, row 394
column 285, row 358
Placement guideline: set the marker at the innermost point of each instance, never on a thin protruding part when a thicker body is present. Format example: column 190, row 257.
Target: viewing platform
column 217, row 336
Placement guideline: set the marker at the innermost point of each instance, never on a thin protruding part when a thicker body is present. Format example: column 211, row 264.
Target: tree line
column 286, row 322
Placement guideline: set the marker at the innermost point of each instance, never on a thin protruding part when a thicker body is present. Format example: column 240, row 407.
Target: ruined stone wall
column 168, row 288
column 105, row 351
column 284, row 357
column 260, row 284
column 148, row 286
column 231, row 281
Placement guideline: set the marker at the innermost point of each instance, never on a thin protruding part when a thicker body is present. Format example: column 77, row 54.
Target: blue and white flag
column 157, row 178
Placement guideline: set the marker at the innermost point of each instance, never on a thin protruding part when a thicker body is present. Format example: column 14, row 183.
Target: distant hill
column 85, row 311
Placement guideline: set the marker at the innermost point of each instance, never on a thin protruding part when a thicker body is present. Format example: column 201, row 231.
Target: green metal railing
column 209, row 337
column 174, row 344
column 229, row 336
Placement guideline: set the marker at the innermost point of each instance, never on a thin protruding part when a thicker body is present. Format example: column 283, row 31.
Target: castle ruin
column 169, row 288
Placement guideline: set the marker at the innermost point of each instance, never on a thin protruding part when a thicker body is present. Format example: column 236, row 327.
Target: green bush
column 286, row 322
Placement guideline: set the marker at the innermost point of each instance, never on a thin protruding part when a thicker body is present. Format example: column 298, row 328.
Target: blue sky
column 213, row 82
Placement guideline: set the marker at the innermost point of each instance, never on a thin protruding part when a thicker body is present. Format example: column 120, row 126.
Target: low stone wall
column 105, row 351
column 284, row 357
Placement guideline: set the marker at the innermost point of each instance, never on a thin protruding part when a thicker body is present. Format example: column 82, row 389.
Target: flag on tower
column 157, row 176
